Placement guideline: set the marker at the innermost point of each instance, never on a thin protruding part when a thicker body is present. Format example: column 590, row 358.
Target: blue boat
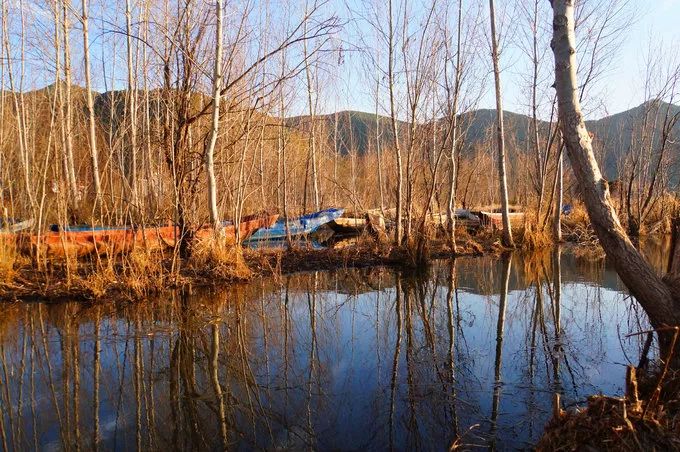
column 306, row 224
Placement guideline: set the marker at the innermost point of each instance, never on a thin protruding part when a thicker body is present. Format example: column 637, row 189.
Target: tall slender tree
column 217, row 88
column 132, row 106
column 398, row 233
column 92, row 127
column 500, row 132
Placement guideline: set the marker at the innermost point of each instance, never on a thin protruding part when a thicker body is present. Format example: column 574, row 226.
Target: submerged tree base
column 633, row 423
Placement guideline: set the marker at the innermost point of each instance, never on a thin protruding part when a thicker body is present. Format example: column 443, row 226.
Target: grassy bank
column 138, row 274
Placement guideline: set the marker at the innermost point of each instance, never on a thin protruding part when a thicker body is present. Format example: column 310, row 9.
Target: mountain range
column 359, row 131
column 355, row 130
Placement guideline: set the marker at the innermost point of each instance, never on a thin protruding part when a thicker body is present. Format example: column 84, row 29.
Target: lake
column 470, row 350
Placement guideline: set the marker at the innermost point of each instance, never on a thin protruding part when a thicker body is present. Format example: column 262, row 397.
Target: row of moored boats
column 254, row 231
column 60, row 241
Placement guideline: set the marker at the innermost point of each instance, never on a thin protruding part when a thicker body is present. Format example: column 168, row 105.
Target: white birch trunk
column 312, row 119
column 451, row 208
column 68, row 116
column 507, row 231
column 132, row 104
column 210, row 151
column 395, row 129
column 92, row 135
column 557, row 220
column 644, row 283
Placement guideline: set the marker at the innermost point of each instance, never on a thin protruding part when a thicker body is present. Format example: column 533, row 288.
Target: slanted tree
column 657, row 295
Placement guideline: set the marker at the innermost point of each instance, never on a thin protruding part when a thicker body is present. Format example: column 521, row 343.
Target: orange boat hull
column 116, row 241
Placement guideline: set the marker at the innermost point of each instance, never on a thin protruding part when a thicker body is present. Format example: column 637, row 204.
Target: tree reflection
column 355, row 359
column 498, row 362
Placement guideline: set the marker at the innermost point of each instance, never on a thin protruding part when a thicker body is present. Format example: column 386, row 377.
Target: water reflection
column 470, row 353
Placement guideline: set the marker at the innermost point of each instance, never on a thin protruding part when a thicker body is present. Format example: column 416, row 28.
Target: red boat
column 113, row 240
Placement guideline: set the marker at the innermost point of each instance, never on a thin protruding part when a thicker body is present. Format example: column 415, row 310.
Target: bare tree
column 507, row 231
column 453, row 120
column 92, row 133
column 398, row 234
column 654, row 294
column 67, row 122
column 652, row 140
column 311, row 88
column 210, row 148
column 132, row 106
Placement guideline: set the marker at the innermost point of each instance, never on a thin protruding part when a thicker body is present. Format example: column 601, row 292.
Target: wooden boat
column 83, row 241
column 306, row 224
column 494, row 220
column 11, row 225
column 464, row 217
column 348, row 225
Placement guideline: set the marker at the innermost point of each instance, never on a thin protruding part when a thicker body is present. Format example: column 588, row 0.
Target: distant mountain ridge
column 356, row 130
column 360, row 131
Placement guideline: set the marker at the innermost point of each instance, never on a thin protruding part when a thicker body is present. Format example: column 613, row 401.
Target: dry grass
column 576, row 226
column 534, row 238
column 609, row 423
column 8, row 260
column 212, row 259
column 142, row 272
column 589, row 252
column 659, row 218
column 95, row 284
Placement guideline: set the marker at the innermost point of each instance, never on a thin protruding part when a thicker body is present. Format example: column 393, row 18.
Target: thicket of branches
column 141, row 112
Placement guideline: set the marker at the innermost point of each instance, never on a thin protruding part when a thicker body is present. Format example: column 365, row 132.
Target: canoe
column 306, row 224
column 83, row 240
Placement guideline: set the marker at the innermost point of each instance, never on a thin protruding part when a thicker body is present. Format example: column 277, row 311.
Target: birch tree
column 500, row 133
column 92, row 134
column 655, row 295
column 398, row 234
column 132, row 105
column 61, row 10
column 311, row 87
column 453, row 99
column 217, row 87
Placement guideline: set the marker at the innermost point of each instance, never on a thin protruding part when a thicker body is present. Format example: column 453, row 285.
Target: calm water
column 353, row 359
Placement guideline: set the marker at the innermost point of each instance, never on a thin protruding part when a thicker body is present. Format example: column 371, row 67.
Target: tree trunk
column 645, row 285
column 377, row 149
column 312, row 122
column 92, row 136
column 18, row 101
column 540, row 169
column 557, row 219
column 68, row 121
column 210, row 150
column 132, row 105
column 451, row 210
column 395, row 130
column 507, row 231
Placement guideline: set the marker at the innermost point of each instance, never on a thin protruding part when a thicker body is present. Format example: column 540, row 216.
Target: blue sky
column 619, row 89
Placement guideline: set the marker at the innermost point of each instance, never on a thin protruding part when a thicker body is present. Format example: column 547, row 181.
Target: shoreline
column 139, row 275
column 105, row 280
